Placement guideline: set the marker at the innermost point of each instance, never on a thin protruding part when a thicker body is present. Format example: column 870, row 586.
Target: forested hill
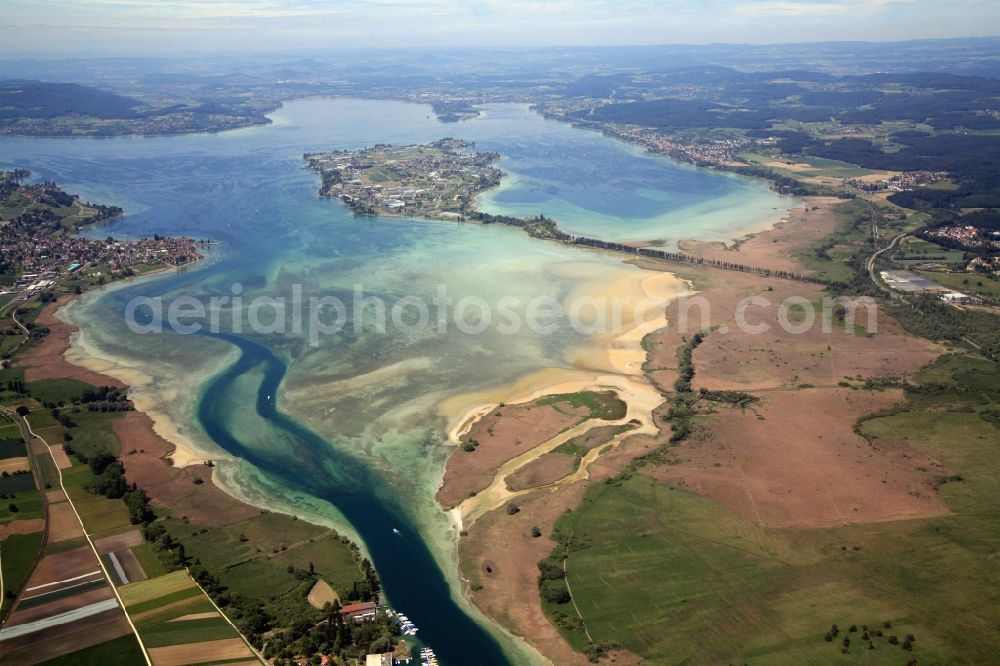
column 40, row 99
column 42, row 108
column 721, row 97
column 894, row 121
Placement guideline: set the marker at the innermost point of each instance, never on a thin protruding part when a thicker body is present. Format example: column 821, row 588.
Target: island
column 437, row 180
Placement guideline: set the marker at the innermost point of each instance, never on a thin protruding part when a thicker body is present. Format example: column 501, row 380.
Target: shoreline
column 603, row 360
column 610, row 361
column 484, row 202
column 78, row 353
column 226, row 478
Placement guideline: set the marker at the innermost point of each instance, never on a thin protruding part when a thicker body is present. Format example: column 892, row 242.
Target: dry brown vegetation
column 774, row 248
column 46, row 360
column 144, row 455
column 500, row 554
column 790, row 460
column 793, row 460
column 503, row 434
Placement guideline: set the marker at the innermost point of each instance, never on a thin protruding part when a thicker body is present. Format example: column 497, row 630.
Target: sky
column 179, row 26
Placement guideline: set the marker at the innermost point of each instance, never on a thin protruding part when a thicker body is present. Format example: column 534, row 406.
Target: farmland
column 170, row 611
column 652, row 565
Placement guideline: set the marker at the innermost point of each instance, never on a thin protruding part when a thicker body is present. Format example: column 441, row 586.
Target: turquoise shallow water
column 348, row 430
column 603, row 188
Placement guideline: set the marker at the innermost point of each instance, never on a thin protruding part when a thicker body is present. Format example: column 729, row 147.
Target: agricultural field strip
column 253, row 650
column 107, row 576
column 59, row 591
column 189, row 583
column 67, row 580
column 118, row 568
column 56, row 620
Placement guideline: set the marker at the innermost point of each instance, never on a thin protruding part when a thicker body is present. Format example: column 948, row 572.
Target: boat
column 405, row 626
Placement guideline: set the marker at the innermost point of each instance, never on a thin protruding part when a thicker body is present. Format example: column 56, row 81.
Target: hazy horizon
column 178, row 27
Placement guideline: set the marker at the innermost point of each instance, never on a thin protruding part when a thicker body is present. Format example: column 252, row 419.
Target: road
column 29, row 437
column 870, row 264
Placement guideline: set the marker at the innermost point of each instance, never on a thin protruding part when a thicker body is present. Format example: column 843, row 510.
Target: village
column 38, row 246
column 967, row 236
column 438, row 180
column 719, row 152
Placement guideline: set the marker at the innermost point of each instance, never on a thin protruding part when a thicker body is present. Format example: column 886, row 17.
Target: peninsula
column 41, row 251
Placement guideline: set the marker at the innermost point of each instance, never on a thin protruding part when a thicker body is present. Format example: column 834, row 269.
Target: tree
column 535, row 532
column 556, row 595
column 551, row 568
column 101, row 462
column 512, row 509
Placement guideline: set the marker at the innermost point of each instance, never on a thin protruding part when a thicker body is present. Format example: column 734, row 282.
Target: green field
column 269, row 576
column 156, row 604
column 101, row 516
column 960, row 370
column 259, row 578
column 223, row 546
column 916, row 250
column 47, row 470
column 187, row 631
column 149, row 560
column 168, row 595
column 9, row 430
column 17, row 559
column 57, row 390
column 967, row 283
column 12, row 448
column 831, row 258
column 676, row 578
column 154, row 588
column 39, row 419
column 92, row 433
column 123, row 651
column 170, row 607
column 28, row 500
column 603, row 405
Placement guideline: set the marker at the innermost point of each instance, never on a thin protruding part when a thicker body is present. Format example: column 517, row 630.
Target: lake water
column 350, row 431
